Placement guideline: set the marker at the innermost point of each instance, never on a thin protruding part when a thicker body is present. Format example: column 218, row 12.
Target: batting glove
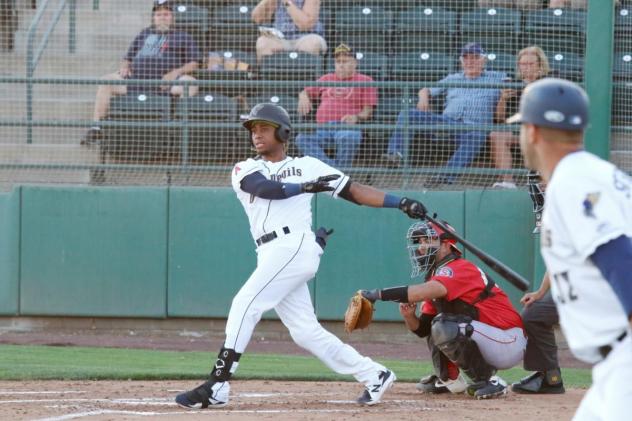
column 413, row 208
column 320, row 184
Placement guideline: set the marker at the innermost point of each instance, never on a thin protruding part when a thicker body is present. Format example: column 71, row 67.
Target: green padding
column 211, row 252
column 501, row 224
column 368, row 249
column 9, row 240
column 94, row 252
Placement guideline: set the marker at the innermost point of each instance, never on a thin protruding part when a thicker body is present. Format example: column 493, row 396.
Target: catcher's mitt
column 359, row 314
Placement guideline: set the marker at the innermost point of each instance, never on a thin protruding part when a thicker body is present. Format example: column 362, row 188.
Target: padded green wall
column 185, row 252
column 9, row 245
column 93, row 251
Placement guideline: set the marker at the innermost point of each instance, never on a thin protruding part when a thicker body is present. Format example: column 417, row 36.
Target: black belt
column 266, row 238
column 605, row 350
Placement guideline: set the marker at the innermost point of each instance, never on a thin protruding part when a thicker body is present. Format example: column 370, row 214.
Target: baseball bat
column 500, row 268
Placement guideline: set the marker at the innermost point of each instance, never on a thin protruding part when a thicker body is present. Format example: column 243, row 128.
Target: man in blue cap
column 463, row 105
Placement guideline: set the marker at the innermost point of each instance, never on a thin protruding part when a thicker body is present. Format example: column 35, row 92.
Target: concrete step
column 43, row 135
column 49, row 109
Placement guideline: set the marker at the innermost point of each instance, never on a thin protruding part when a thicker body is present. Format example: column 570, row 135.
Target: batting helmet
column 431, row 236
column 555, row 103
column 271, row 114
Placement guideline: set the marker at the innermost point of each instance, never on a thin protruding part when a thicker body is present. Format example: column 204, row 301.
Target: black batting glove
column 413, row 208
column 321, row 236
column 320, row 184
column 371, row 294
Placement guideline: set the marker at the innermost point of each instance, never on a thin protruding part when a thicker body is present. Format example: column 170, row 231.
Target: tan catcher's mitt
column 359, row 314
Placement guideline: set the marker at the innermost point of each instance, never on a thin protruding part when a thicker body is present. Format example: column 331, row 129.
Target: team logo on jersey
column 444, row 271
column 237, row 169
column 589, row 203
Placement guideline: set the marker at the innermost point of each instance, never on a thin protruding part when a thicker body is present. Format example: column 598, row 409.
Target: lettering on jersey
column 287, row 172
column 589, row 203
column 445, row 271
column 545, row 239
column 623, row 183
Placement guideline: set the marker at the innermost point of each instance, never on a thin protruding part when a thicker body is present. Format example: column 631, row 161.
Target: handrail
column 33, row 57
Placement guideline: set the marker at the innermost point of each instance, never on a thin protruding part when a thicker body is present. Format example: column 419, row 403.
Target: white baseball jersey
column 294, row 212
column 588, row 203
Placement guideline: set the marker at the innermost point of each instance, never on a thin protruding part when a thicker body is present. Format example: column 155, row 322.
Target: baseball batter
column 586, row 241
column 276, row 192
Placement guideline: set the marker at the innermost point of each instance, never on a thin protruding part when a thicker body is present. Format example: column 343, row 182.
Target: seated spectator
column 158, row 52
column 296, row 27
column 347, row 105
column 463, row 106
column 531, row 65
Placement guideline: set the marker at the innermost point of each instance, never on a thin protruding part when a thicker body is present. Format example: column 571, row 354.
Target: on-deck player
column 585, row 241
column 274, row 191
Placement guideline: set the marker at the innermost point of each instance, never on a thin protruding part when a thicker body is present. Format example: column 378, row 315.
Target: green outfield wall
column 184, row 252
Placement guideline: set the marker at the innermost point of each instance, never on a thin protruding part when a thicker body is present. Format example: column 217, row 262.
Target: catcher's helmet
column 555, row 103
column 271, row 114
column 431, row 236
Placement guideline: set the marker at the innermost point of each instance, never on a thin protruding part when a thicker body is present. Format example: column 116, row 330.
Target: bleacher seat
column 289, row 102
column 623, row 29
column 501, row 62
column 422, row 66
column 425, row 29
column 139, row 143
column 194, row 20
column 389, row 107
column 496, row 29
column 208, row 144
column 232, row 27
column 229, row 72
column 369, row 63
column 364, row 27
column 567, row 65
column 556, row 30
column 622, row 66
column 292, row 65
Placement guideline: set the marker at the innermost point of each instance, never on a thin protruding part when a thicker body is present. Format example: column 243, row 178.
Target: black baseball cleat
column 429, row 384
column 491, row 388
column 549, row 382
column 208, row 394
column 373, row 393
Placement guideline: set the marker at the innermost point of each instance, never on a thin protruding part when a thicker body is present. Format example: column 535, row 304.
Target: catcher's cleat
column 492, row 388
column 428, row 384
column 373, row 393
column 540, row 383
column 208, row 394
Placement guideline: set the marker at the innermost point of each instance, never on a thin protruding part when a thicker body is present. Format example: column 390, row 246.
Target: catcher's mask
column 424, row 240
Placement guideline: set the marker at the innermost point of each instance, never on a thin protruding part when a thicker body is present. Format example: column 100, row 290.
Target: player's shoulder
column 580, row 170
column 246, row 166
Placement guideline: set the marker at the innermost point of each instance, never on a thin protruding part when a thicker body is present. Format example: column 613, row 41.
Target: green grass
column 18, row 362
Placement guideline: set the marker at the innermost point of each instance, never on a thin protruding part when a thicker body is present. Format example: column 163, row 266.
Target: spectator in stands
column 572, row 4
column 158, row 52
column 347, row 105
column 462, row 106
column 531, row 65
column 296, row 27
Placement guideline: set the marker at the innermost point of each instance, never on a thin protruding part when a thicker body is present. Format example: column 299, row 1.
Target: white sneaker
column 504, row 185
column 373, row 392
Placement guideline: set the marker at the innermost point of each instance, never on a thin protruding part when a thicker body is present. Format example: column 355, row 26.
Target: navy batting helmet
column 271, row 114
column 555, row 103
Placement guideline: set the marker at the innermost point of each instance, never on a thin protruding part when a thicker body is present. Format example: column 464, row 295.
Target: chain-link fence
column 400, row 94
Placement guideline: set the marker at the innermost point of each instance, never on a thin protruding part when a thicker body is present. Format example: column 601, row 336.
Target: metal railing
column 33, row 55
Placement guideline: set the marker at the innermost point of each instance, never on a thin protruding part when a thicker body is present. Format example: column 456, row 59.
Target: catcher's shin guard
column 452, row 335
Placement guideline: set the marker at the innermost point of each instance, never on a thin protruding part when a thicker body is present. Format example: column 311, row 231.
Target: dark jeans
column 539, row 319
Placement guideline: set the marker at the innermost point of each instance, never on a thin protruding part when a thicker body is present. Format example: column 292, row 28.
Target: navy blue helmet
column 273, row 115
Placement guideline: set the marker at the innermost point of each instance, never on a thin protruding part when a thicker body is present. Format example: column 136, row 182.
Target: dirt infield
column 278, row 400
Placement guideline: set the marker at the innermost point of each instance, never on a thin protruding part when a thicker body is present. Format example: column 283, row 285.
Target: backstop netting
column 399, row 94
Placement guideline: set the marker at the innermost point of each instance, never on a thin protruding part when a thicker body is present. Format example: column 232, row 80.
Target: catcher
column 467, row 319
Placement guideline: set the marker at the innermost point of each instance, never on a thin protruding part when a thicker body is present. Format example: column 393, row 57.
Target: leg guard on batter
column 451, row 334
column 226, row 365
